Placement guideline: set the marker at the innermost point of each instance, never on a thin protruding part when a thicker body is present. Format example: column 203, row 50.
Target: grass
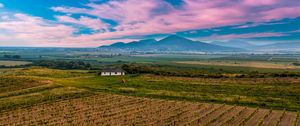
column 13, row 83
column 255, row 64
column 277, row 93
column 31, row 98
column 13, row 63
column 25, row 87
column 280, row 93
column 213, row 68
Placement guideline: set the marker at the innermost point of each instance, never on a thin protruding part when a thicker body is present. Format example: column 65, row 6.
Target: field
column 50, row 84
column 159, row 89
column 254, row 64
column 13, row 63
column 108, row 109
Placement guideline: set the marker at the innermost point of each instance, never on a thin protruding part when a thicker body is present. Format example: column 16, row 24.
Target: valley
column 224, row 89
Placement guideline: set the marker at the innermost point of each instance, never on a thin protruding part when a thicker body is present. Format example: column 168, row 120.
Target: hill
column 284, row 46
column 235, row 44
column 170, row 43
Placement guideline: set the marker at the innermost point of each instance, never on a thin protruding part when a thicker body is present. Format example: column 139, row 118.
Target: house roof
column 112, row 70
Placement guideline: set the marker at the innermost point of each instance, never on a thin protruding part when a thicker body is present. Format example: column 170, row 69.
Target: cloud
column 29, row 29
column 296, row 31
column 95, row 24
column 129, row 18
column 258, row 24
column 260, row 2
column 243, row 36
column 159, row 17
column 21, row 29
column 1, row 5
column 284, row 12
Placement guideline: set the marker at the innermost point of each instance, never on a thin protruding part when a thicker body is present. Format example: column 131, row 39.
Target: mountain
column 136, row 45
column 284, row 46
column 170, row 43
column 235, row 44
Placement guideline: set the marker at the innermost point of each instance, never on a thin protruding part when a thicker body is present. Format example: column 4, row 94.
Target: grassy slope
column 275, row 93
column 25, row 87
column 279, row 94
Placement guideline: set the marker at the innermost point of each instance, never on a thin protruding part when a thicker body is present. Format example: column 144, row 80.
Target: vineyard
column 110, row 109
column 41, row 96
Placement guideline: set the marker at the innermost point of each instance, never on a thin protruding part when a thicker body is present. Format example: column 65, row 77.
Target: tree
column 7, row 56
column 16, row 56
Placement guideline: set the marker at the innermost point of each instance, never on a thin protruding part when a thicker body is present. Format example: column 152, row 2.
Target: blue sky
column 91, row 23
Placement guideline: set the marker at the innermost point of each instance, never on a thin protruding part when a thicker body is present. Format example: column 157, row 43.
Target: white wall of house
column 105, row 73
column 112, row 73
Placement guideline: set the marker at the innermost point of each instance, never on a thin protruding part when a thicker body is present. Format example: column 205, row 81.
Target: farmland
column 108, row 109
column 165, row 89
column 268, row 92
column 243, row 64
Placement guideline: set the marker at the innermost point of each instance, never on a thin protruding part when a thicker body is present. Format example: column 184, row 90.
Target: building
column 112, row 72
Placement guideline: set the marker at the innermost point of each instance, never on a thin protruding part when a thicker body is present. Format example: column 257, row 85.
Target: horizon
column 93, row 23
column 157, row 40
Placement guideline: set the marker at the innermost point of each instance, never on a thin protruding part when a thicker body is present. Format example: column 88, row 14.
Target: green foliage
column 190, row 71
column 12, row 56
column 296, row 63
column 62, row 64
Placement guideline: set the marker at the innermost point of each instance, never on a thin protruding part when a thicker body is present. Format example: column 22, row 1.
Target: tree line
column 12, row 56
column 63, row 64
column 194, row 72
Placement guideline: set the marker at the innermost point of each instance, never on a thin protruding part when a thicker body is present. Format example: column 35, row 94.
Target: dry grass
column 13, row 63
column 255, row 64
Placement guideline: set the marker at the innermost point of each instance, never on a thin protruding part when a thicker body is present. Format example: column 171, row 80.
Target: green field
column 254, row 64
column 244, row 89
column 253, row 80
column 49, row 84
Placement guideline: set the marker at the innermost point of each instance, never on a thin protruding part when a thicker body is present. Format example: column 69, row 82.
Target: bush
column 296, row 63
column 63, row 64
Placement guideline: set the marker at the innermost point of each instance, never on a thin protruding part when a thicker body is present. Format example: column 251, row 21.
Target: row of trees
column 12, row 56
column 296, row 63
column 186, row 72
column 63, row 64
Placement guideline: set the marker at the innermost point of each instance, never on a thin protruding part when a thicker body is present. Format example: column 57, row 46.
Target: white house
column 112, row 72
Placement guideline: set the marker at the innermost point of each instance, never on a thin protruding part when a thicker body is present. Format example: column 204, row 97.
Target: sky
column 92, row 23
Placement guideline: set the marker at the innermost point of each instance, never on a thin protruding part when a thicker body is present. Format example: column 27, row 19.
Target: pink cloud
column 145, row 17
column 243, row 36
column 284, row 12
column 30, row 29
column 21, row 29
column 194, row 14
column 260, row 2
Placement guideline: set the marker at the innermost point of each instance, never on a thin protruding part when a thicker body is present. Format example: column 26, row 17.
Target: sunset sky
column 91, row 23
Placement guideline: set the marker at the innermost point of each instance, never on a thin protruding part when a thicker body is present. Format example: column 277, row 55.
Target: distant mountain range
column 284, row 46
column 170, row 43
column 236, row 44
